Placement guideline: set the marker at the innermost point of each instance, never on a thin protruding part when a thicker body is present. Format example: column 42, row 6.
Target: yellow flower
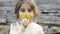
column 26, row 16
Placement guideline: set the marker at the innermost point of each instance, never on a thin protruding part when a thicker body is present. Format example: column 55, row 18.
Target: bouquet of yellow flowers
column 26, row 16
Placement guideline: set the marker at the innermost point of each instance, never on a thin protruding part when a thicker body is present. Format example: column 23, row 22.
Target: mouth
column 25, row 21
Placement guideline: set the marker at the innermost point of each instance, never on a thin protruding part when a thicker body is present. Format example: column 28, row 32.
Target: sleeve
column 41, row 30
column 12, row 30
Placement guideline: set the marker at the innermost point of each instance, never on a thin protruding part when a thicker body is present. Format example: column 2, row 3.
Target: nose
column 26, row 11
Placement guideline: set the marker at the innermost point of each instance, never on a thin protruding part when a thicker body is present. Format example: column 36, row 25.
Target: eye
column 22, row 10
column 29, row 10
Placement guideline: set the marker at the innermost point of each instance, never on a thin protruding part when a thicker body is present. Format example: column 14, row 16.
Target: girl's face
column 26, row 8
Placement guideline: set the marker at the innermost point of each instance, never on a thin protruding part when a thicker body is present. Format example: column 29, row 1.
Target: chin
column 25, row 24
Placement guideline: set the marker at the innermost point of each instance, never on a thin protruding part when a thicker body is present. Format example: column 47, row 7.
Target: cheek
column 20, row 15
column 32, row 14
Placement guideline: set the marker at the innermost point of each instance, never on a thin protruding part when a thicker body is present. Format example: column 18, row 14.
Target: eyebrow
column 24, row 8
column 21, row 8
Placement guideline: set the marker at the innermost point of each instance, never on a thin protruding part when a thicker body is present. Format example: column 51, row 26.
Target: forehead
column 25, row 5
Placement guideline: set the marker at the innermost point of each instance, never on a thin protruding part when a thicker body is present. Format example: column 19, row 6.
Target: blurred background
column 49, row 19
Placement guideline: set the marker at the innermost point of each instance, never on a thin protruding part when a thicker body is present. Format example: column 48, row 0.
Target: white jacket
column 33, row 28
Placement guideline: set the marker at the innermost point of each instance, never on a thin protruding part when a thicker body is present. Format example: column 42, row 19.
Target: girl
column 26, row 13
